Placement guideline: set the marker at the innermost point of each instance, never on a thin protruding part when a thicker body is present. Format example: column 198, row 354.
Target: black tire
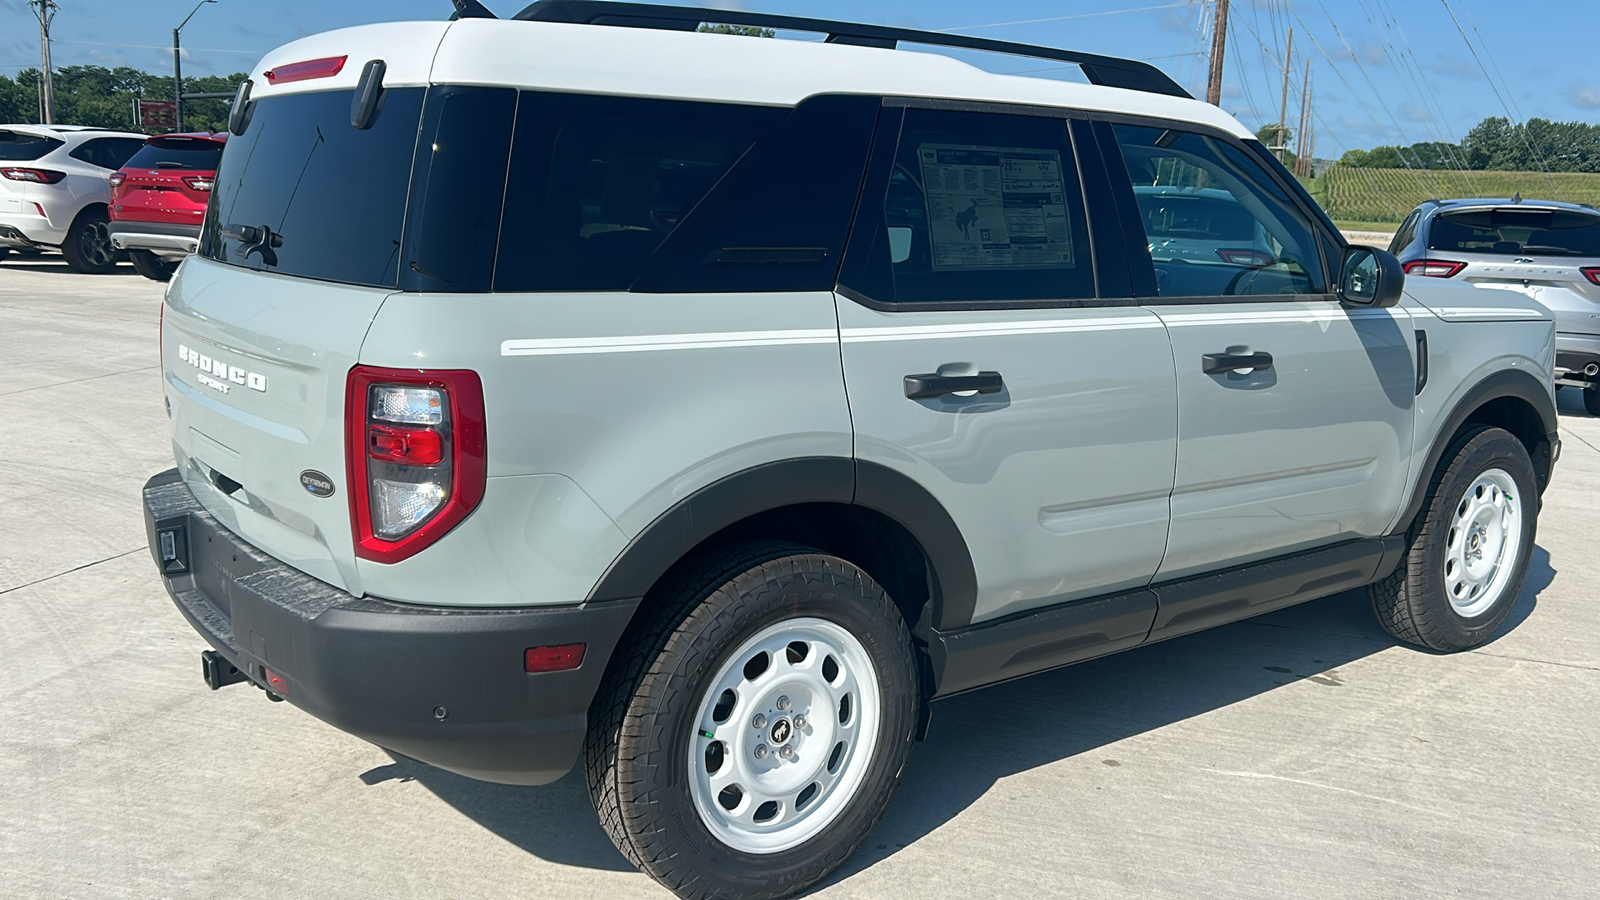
column 4, row 252
column 152, row 266
column 1413, row 603
column 88, row 245
column 643, row 730
column 1591, row 400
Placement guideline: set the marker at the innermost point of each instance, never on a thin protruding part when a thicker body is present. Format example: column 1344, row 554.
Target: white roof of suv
column 651, row 62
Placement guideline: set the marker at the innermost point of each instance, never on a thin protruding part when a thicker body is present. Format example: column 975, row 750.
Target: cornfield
column 1387, row 195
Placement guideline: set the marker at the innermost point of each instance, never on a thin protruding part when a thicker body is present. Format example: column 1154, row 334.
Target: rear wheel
column 1469, row 547
column 756, row 734
column 152, row 266
column 88, row 245
column 1591, row 400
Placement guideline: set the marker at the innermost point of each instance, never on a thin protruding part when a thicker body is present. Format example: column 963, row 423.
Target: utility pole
column 1283, row 104
column 45, row 11
column 1300, row 160
column 177, row 69
column 1219, row 42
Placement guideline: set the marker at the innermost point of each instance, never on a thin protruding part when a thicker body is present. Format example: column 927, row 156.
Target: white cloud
column 1586, row 96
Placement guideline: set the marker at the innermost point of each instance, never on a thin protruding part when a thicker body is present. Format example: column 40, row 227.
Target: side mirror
column 239, row 115
column 1370, row 277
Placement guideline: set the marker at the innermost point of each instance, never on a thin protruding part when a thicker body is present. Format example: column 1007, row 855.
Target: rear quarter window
column 18, row 147
column 107, row 153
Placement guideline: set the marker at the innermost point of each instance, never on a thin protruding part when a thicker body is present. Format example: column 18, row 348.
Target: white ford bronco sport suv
column 703, row 406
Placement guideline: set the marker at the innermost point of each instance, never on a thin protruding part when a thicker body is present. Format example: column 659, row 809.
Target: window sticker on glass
column 995, row 207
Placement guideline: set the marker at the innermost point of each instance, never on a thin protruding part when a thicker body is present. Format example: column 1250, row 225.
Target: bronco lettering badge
column 217, row 375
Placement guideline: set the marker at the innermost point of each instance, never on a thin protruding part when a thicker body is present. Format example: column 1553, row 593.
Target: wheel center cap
column 781, row 731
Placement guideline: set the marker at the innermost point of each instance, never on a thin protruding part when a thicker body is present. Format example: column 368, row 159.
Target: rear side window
column 1216, row 222
column 302, row 192
column 1406, row 233
column 598, row 183
column 188, row 153
column 977, row 207
column 107, row 153
column 16, row 147
column 1517, row 232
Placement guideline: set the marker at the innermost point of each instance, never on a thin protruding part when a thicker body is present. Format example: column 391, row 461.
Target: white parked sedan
column 53, row 190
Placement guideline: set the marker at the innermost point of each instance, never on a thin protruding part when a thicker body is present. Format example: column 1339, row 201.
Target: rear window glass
column 597, row 183
column 1517, row 232
column 302, row 192
column 15, row 147
column 178, row 153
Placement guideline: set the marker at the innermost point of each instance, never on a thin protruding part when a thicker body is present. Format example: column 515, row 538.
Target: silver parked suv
column 702, row 407
column 1545, row 249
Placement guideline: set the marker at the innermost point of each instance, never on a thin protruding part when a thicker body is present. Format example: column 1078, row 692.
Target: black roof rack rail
column 1103, row 70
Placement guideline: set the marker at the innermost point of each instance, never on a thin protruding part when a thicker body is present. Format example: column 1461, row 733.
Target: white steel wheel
column 1484, row 540
column 783, row 735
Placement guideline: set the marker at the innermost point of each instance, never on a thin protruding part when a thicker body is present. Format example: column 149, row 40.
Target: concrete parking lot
column 1300, row 754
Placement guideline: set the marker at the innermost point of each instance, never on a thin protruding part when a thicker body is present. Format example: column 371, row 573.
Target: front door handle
column 919, row 387
column 1215, row 363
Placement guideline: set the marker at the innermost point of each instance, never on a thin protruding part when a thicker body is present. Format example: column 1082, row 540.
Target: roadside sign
column 158, row 114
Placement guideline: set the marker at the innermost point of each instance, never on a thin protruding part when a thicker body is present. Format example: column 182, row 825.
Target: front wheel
column 758, row 730
column 1469, row 547
column 152, row 266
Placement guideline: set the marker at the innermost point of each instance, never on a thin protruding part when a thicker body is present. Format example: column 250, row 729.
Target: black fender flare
column 794, row 482
column 1513, row 383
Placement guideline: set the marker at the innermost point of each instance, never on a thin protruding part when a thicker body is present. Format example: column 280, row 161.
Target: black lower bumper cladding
column 443, row 685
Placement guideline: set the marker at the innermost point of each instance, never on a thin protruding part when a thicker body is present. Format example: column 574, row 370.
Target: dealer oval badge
column 316, row 483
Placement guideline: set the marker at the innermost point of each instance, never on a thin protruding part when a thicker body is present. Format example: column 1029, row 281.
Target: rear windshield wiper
column 255, row 239
column 170, row 164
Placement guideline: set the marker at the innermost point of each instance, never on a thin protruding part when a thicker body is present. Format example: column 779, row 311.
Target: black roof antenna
column 471, row 9
column 1517, row 198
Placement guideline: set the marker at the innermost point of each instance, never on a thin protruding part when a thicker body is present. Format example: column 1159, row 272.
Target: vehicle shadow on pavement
column 61, row 267
column 979, row 738
column 982, row 737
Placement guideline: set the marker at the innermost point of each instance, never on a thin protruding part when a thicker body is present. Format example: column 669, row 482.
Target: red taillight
column 199, row 182
column 1255, row 259
column 416, row 454
column 37, row 176
column 408, row 446
column 326, row 67
column 1433, row 268
column 559, row 658
column 1592, row 273
column 116, row 179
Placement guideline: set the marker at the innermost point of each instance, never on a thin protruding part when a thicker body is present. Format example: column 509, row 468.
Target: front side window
column 979, row 208
column 1517, row 232
column 1216, row 222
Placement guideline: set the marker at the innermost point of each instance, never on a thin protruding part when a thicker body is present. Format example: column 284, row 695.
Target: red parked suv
column 159, row 197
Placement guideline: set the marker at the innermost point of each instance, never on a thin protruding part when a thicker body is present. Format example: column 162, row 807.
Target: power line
column 1108, row 12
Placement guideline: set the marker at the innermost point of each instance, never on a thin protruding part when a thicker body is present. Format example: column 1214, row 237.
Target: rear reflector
column 559, row 658
column 327, row 67
column 275, row 681
column 1592, row 273
column 1433, row 268
column 37, row 176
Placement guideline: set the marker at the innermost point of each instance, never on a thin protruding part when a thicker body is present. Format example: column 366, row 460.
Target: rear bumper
column 443, row 686
column 158, row 237
column 15, row 233
column 1574, row 353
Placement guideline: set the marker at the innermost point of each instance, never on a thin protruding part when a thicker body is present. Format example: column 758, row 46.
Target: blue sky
column 1409, row 54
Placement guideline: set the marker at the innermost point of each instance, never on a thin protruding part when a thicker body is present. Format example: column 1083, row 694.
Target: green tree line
column 103, row 98
column 1495, row 144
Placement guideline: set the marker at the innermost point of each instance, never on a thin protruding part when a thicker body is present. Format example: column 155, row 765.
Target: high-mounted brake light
column 116, row 179
column 416, row 456
column 1592, row 273
column 326, row 67
column 198, row 182
column 37, row 176
column 1433, row 268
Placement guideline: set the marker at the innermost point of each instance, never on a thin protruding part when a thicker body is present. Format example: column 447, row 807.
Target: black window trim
column 885, row 144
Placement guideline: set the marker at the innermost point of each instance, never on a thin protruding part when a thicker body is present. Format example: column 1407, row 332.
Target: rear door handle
column 1214, row 363
column 919, row 387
